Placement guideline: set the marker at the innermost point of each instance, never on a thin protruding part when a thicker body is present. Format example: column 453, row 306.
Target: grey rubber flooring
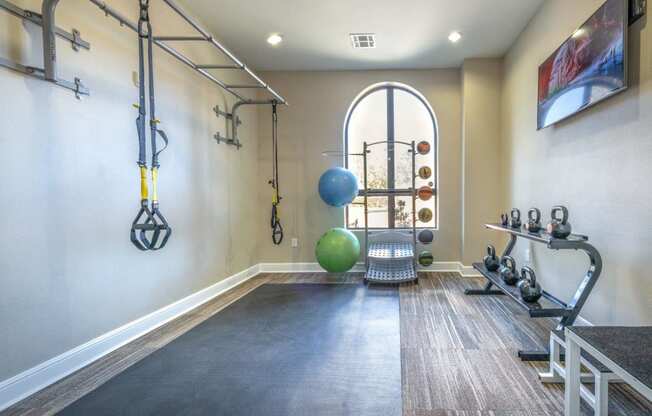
column 283, row 349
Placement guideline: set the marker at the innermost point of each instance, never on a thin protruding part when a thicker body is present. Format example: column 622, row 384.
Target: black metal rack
column 548, row 306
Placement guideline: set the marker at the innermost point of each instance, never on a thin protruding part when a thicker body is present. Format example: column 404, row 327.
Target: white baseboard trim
column 301, row 268
column 36, row 378
column 439, row 266
column 469, row 271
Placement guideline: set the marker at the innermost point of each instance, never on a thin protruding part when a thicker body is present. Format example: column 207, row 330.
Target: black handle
column 528, row 274
column 508, row 261
column 564, row 214
column 516, row 214
column 534, row 215
column 491, row 251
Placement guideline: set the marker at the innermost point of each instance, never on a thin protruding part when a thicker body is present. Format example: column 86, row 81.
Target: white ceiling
column 409, row 34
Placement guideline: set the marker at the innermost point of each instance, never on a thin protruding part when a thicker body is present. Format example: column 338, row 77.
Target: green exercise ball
column 425, row 258
column 338, row 250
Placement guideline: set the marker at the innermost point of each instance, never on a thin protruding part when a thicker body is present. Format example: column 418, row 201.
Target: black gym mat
column 283, row 349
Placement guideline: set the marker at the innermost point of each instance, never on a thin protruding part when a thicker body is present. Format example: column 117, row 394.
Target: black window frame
column 391, row 200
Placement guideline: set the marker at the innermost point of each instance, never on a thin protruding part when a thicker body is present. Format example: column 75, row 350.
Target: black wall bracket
column 636, row 10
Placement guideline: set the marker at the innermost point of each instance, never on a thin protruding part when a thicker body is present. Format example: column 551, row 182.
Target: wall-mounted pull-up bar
column 50, row 54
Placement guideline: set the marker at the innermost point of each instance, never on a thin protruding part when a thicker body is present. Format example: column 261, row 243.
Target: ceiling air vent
column 363, row 40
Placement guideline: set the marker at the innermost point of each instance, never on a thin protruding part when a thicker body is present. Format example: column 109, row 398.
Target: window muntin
column 390, row 112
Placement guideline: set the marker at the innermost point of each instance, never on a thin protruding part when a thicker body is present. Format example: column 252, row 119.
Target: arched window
column 393, row 112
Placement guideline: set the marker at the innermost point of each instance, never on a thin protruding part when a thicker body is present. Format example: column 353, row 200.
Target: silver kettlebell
column 559, row 227
column 530, row 290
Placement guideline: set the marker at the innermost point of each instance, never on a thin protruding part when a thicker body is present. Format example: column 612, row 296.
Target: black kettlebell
column 559, row 227
column 491, row 262
column 515, row 221
column 504, row 220
column 508, row 270
column 530, row 290
column 533, row 223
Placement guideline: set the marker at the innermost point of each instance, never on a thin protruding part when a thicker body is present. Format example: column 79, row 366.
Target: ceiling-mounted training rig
column 149, row 222
column 275, row 222
column 50, row 55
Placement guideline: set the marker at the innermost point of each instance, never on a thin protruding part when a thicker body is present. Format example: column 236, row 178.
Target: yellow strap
column 144, row 194
column 154, row 184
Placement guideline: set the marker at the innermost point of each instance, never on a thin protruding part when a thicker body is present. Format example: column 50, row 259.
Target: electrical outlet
column 295, row 242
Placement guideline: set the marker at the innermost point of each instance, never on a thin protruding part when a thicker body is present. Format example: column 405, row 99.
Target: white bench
column 598, row 374
column 625, row 351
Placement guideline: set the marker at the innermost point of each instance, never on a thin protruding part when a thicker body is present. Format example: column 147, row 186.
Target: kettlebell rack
column 548, row 306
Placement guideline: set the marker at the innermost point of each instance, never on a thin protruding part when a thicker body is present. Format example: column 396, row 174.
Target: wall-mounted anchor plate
column 226, row 115
column 221, row 139
column 76, row 85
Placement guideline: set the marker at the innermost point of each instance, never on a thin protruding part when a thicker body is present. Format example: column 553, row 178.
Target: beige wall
column 68, row 271
column 313, row 123
column 597, row 163
column 482, row 169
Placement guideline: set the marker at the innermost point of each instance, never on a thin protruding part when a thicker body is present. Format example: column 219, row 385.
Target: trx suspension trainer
column 153, row 229
column 275, row 223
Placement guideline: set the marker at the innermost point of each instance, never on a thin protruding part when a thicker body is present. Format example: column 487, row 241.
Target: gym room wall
column 482, row 171
column 597, row 163
column 314, row 123
column 70, row 190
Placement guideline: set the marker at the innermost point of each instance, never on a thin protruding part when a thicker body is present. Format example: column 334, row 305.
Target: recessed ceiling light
column 274, row 39
column 455, row 37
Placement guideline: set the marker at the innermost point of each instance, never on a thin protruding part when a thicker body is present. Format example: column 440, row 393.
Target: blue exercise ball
column 338, row 187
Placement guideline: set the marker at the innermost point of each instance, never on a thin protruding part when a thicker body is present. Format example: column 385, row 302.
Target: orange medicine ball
column 423, row 148
column 424, row 193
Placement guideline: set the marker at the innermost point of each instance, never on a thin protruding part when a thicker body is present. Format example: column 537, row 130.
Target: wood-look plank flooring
column 458, row 353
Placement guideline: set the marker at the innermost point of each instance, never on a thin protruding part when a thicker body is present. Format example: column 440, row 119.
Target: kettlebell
column 508, row 270
column 559, row 227
column 515, row 221
column 504, row 220
column 491, row 262
column 533, row 223
column 530, row 290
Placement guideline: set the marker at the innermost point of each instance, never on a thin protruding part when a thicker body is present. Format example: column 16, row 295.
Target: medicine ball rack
column 548, row 306
column 390, row 255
